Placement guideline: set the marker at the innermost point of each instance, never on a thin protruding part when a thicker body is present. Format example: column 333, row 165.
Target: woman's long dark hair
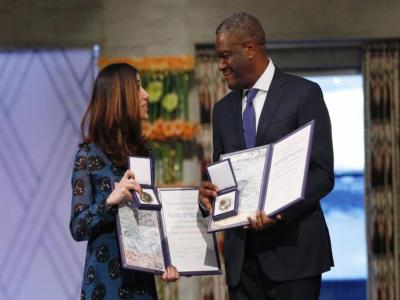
column 113, row 114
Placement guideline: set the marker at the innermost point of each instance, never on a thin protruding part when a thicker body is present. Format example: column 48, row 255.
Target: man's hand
column 262, row 221
column 207, row 191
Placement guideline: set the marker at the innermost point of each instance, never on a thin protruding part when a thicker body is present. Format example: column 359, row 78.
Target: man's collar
column 263, row 83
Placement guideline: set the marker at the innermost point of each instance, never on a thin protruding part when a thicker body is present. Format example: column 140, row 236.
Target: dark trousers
column 254, row 285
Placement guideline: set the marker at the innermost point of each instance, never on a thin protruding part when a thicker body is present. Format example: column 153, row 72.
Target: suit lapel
column 274, row 96
column 237, row 114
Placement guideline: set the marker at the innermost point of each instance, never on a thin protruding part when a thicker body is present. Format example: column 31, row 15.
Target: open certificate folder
column 270, row 178
column 151, row 240
column 287, row 168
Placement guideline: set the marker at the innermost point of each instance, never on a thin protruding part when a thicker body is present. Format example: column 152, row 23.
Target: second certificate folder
column 270, row 178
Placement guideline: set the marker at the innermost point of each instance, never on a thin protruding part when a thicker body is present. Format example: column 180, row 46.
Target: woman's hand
column 170, row 274
column 122, row 189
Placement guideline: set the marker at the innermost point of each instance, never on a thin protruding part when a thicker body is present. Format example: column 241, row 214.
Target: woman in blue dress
column 111, row 131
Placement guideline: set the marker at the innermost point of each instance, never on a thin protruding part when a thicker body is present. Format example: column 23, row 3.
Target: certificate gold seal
column 145, row 197
column 225, row 203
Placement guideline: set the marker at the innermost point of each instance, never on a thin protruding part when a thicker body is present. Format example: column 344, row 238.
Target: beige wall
column 50, row 23
column 172, row 27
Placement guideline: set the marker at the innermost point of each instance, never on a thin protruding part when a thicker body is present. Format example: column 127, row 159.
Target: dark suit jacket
column 298, row 246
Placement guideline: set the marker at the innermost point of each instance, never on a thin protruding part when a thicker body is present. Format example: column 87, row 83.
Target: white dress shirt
column 262, row 84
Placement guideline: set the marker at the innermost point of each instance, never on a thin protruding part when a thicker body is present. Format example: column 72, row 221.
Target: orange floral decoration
column 153, row 63
column 164, row 130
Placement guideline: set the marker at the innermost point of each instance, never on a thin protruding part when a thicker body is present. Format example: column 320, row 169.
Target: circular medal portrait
column 145, row 197
column 225, row 203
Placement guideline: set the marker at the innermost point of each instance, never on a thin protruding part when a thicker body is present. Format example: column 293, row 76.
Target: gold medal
column 145, row 197
column 224, row 203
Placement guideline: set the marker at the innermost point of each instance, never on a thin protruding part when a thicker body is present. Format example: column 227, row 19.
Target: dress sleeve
column 89, row 210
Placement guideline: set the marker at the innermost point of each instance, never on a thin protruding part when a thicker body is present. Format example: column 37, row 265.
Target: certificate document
column 177, row 235
column 248, row 167
column 270, row 178
column 287, row 170
column 192, row 250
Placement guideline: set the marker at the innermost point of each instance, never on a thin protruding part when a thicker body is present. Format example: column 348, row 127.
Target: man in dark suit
column 282, row 257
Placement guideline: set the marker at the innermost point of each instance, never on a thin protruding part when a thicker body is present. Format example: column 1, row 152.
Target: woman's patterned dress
column 92, row 180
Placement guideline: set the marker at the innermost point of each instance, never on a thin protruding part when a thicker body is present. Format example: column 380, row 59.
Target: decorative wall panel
column 43, row 95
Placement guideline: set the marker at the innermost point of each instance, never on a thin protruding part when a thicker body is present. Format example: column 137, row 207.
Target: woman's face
column 143, row 100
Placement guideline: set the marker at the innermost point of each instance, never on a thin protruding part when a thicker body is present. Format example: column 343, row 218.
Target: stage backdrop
column 43, row 95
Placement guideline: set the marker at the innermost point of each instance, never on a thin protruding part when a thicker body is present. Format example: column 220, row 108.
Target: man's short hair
column 244, row 26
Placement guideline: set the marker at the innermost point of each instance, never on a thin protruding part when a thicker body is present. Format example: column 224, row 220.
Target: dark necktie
column 249, row 119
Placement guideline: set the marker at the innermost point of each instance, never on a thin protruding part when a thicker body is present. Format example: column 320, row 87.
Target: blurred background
column 50, row 53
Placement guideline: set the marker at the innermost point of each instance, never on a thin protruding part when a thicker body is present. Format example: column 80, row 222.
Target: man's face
column 233, row 61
